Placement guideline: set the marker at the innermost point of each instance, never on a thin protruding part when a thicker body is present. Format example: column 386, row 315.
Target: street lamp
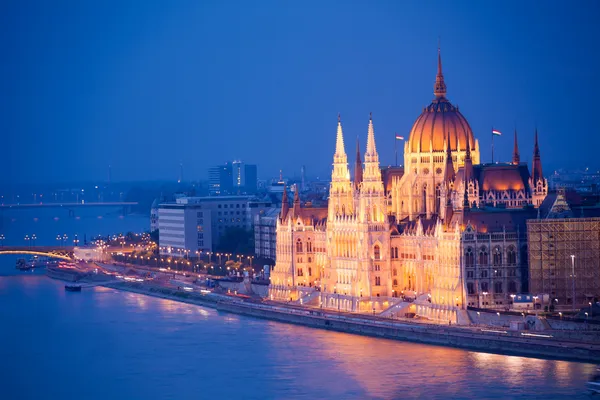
column 573, row 279
column 27, row 241
column 484, row 298
column 33, row 239
column 75, row 241
column 513, row 299
column 2, row 240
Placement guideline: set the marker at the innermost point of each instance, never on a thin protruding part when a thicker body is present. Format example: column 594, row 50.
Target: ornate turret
column 285, row 205
column 371, row 172
column 468, row 164
column 536, row 169
column 439, row 89
column 449, row 174
column 296, row 202
column 358, row 168
column 516, row 159
column 340, row 160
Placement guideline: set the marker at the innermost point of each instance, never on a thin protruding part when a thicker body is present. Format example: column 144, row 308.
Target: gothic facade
column 441, row 231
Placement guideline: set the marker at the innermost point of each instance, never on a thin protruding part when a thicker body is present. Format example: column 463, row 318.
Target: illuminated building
column 412, row 231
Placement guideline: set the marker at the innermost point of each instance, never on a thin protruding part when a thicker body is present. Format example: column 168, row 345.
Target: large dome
column 439, row 119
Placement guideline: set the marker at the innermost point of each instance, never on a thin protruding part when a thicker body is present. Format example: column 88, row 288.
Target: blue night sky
column 146, row 85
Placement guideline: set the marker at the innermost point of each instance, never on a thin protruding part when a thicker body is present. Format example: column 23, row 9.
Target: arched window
column 484, row 286
column 309, row 271
column 511, row 256
column 470, row 288
column 395, row 282
column 483, row 256
column 376, row 253
column 484, row 274
column 512, row 287
column 299, row 246
column 396, row 252
column 469, row 258
column 497, row 256
column 498, row 287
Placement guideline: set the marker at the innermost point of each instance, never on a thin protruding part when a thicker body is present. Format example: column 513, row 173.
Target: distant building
column 197, row 223
column 265, row 233
column 154, row 215
column 220, row 180
column 583, row 181
column 233, row 178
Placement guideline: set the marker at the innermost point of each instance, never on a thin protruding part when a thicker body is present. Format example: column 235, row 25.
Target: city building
column 193, row 224
column 564, row 256
column 233, row 178
column 413, row 232
column 154, row 215
column 265, row 233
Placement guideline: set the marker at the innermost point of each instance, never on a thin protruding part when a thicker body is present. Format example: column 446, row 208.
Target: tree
column 236, row 241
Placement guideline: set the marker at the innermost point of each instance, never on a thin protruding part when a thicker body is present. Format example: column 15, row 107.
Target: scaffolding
column 564, row 260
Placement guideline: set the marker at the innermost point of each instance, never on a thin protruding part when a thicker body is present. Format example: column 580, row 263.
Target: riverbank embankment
column 471, row 338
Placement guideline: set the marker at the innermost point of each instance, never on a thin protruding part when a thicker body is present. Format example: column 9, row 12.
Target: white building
column 197, row 223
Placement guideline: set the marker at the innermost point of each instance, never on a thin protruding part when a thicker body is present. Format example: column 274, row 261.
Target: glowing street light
column 2, row 240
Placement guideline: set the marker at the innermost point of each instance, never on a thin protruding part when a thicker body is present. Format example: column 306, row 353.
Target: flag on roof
column 496, row 132
column 399, row 137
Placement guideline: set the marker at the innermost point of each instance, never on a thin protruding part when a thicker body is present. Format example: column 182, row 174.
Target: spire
column 449, row 172
column 468, row 163
column 296, row 202
column 339, row 140
column 340, row 159
column 371, row 171
column 439, row 89
column 371, row 148
column 358, row 169
column 285, row 206
column 516, row 158
column 536, row 169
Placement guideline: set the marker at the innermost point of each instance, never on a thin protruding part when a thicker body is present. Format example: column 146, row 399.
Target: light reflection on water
column 116, row 344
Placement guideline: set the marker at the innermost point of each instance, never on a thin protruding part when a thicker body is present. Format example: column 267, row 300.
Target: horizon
column 155, row 86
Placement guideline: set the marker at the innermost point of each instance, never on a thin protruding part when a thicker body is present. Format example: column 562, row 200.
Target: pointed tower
column 296, row 202
column 341, row 200
column 468, row 164
column 372, row 197
column 371, row 172
column 516, row 158
column 285, row 206
column 536, row 169
column 358, row 167
column 439, row 89
column 340, row 160
column 449, row 173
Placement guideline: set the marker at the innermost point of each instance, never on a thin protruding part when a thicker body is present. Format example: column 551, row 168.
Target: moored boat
column 23, row 265
column 73, row 288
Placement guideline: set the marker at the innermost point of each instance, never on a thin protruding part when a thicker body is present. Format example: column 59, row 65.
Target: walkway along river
column 488, row 340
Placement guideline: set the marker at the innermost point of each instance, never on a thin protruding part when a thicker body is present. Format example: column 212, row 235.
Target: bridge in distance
column 71, row 205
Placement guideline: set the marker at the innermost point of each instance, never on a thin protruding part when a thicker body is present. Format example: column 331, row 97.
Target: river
column 103, row 343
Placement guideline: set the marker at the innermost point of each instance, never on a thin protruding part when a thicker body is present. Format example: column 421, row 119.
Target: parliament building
column 440, row 233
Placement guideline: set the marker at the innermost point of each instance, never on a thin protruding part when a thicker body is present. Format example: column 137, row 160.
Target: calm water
column 103, row 343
